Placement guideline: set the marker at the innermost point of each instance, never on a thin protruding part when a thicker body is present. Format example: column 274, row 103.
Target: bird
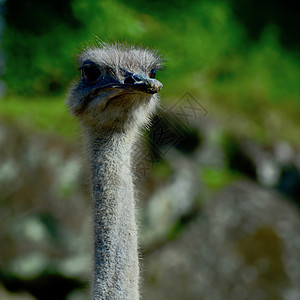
column 114, row 98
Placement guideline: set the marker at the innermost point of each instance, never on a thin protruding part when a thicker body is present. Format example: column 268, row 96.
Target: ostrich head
column 117, row 90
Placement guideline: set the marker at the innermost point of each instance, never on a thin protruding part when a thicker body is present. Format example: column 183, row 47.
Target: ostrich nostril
column 129, row 80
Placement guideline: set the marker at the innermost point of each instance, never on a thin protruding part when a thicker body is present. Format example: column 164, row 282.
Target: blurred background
column 219, row 172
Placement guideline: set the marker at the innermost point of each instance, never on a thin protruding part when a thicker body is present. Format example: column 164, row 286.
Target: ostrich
column 115, row 97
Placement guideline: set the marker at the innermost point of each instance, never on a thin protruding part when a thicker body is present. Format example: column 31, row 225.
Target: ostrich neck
column 116, row 269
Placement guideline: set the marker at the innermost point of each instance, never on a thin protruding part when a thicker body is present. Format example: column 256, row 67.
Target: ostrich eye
column 152, row 73
column 90, row 73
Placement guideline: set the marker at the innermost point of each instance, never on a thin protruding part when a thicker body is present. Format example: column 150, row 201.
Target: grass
column 250, row 87
column 216, row 178
column 42, row 115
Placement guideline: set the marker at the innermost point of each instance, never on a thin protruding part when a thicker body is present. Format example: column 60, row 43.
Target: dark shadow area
column 255, row 15
column 237, row 158
column 46, row 286
column 289, row 183
column 38, row 17
column 168, row 132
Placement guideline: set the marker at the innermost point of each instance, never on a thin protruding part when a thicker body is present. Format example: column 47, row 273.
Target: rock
column 11, row 296
column 245, row 244
column 44, row 215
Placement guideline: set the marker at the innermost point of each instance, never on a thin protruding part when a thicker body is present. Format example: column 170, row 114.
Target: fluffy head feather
column 124, row 95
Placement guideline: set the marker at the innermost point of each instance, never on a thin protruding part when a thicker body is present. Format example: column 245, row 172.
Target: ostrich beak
column 143, row 83
column 135, row 82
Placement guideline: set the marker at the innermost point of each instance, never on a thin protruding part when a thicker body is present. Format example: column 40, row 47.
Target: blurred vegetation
column 238, row 58
column 235, row 55
column 46, row 114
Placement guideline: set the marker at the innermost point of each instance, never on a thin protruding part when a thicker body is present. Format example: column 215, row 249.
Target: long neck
column 116, row 269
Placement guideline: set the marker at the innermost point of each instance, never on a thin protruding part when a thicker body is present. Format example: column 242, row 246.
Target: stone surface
column 204, row 235
column 245, row 244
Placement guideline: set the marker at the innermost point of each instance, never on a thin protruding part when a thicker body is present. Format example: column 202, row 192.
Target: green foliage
column 216, row 178
column 43, row 114
column 110, row 20
column 264, row 71
column 197, row 38
column 207, row 52
column 37, row 65
column 37, row 41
